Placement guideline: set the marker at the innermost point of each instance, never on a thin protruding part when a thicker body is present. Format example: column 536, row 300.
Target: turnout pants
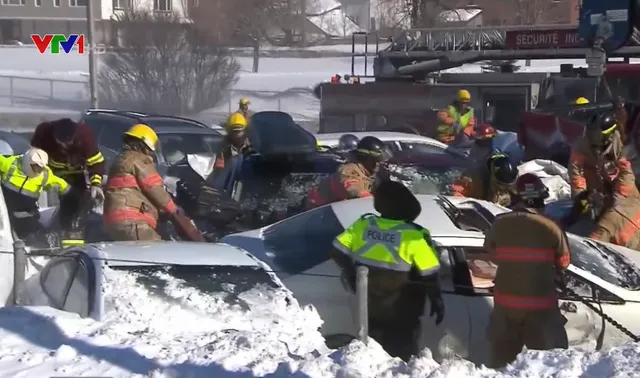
column 131, row 232
column 510, row 330
column 74, row 211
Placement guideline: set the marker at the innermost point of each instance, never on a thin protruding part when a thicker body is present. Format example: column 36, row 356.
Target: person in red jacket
column 73, row 155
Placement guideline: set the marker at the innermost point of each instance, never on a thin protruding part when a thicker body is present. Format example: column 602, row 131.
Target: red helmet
column 485, row 131
column 530, row 187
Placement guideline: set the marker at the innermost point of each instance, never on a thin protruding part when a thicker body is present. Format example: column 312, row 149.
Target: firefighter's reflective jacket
column 529, row 249
column 621, row 224
column 477, row 183
column 135, row 191
column 449, row 116
column 587, row 171
column 351, row 180
column 22, row 192
column 72, row 162
column 393, row 247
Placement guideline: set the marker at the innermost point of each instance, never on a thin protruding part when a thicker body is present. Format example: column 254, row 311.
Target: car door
column 298, row 248
column 451, row 337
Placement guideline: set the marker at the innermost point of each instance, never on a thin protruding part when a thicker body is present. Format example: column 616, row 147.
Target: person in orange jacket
column 456, row 119
column 597, row 165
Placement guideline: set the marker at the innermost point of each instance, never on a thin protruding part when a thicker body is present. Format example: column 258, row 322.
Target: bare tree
column 164, row 65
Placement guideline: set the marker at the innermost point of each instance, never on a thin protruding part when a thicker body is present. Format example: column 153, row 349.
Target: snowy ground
column 180, row 332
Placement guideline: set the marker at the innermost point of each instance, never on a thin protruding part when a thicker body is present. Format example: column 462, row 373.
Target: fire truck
column 409, row 83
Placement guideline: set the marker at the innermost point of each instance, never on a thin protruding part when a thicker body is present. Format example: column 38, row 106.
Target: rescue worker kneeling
column 353, row 179
column 403, row 267
column 135, row 193
column 595, row 153
column 24, row 178
column 531, row 252
column 490, row 182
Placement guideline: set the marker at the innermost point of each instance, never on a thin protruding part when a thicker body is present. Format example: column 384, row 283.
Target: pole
column 362, row 288
column 93, row 76
column 19, row 269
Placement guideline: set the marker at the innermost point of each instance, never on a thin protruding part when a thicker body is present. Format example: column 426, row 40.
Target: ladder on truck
column 363, row 37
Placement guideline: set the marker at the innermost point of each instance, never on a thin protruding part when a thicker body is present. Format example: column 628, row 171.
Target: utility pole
column 303, row 23
column 93, row 75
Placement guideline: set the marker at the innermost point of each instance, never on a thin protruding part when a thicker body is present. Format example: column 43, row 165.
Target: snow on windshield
column 607, row 264
column 424, row 180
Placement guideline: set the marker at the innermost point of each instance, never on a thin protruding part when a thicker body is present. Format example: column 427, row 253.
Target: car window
column 605, row 263
column 77, row 300
column 303, row 241
column 445, row 276
column 109, row 129
column 176, row 146
column 421, row 148
column 227, row 281
column 65, row 281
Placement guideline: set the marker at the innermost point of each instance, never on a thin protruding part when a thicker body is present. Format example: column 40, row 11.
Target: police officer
column 531, row 252
column 24, row 178
column 403, row 268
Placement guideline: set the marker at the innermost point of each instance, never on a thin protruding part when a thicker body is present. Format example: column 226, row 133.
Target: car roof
column 184, row 130
column 432, row 217
column 331, row 139
column 174, row 253
column 142, row 116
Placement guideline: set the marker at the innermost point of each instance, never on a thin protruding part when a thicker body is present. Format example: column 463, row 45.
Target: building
column 21, row 18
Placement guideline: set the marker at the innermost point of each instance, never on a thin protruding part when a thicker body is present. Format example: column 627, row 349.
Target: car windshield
column 228, row 282
column 605, row 263
column 176, row 146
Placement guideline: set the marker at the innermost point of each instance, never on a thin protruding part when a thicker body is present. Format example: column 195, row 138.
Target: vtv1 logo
column 53, row 42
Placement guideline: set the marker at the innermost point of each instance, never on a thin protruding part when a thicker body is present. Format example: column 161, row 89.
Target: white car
column 395, row 141
column 297, row 248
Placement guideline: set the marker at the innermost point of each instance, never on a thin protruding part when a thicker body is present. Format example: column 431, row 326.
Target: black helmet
column 64, row 130
column 348, row 142
column 395, row 201
column 371, row 147
column 502, row 169
column 600, row 129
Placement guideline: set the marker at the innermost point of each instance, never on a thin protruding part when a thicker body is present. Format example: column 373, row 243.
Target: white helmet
column 34, row 156
column 5, row 148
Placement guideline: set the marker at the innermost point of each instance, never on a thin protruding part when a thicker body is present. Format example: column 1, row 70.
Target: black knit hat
column 395, row 201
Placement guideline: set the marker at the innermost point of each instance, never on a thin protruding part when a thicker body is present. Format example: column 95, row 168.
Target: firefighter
column 135, row 193
column 483, row 143
column 531, row 252
column 620, row 224
column 491, row 181
column 353, row 179
column 243, row 109
column 73, row 152
column 347, row 143
column 236, row 140
column 599, row 151
column 456, row 119
column 403, row 267
column 24, row 178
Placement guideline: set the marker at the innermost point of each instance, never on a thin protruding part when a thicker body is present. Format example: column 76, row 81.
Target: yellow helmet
column 244, row 101
column 581, row 101
column 145, row 134
column 464, row 95
column 236, row 121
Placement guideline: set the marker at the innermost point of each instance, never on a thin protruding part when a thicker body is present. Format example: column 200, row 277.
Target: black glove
column 437, row 308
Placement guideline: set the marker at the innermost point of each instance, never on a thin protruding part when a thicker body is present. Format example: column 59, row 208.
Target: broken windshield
column 605, row 263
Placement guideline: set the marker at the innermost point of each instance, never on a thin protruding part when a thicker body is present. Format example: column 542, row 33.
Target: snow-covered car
column 296, row 248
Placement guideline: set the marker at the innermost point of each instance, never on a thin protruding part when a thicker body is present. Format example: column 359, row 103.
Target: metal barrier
column 21, row 88
column 362, row 293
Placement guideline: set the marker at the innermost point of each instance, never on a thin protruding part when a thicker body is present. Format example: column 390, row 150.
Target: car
column 601, row 273
column 19, row 144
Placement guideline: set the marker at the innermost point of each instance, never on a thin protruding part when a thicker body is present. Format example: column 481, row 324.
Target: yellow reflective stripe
column 96, row 180
column 55, row 164
column 95, row 159
column 609, row 130
column 71, row 242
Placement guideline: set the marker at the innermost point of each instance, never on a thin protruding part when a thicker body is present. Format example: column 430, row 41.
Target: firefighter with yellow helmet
column 243, row 110
column 135, row 193
column 236, row 141
column 403, row 266
column 456, row 119
column 581, row 101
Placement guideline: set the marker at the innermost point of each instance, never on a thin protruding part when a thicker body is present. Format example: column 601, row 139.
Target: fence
column 22, row 91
